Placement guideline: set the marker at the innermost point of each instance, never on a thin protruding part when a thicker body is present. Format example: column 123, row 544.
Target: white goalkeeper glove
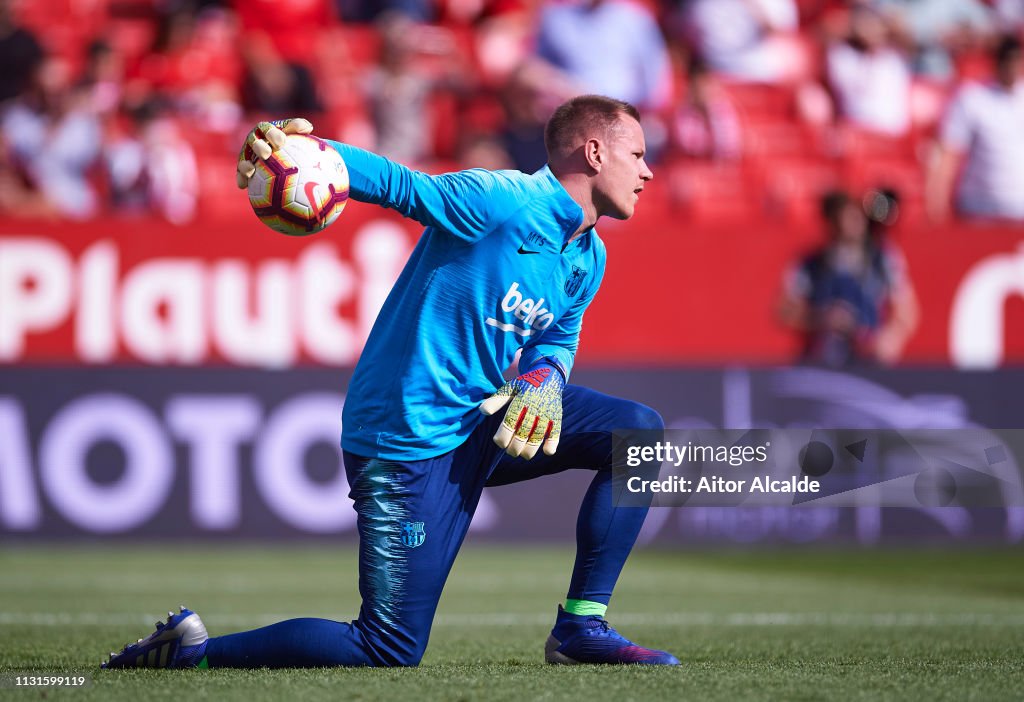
column 534, row 414
column 261, row 142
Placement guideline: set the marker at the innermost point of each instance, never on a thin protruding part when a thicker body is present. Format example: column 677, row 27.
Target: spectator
column 530, row 95
column 630, row 64
column 611, row 47
column 102, row 81
column 194, row 64
column 869, row 77
column 368, row 11
column 851, row 299
column 272, row 85
column 53, row 138
column 742, row 39
column 153, row 168
column 938, row 29
column 984, row 127
column 706, row 123
column 17, row 196
column 399, row 88
column 21, row 55
column 502, row 36
column 217, row 72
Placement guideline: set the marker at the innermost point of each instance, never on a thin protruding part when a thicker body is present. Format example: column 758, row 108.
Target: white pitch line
column 668, row 619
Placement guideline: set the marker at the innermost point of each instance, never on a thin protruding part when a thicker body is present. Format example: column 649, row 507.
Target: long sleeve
column 467, row 204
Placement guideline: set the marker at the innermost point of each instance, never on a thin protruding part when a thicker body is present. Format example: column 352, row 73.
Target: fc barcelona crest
column 413, row 534
column 574, row 281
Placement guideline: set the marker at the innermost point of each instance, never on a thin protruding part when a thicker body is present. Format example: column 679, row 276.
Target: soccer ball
column 301, row 188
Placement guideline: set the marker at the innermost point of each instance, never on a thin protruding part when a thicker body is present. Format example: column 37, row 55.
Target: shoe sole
column 552, row 656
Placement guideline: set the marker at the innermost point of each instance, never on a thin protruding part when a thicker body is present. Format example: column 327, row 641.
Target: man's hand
column 262, row 141
column 534, row 415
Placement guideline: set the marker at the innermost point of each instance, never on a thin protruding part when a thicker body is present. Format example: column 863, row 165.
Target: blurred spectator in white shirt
column 399, row 87
column 743, row 39
column 706, row 124
column 153, row 168
column 54, row 137
column 938, row 29
column 869, row 77
column 984, row 127
column 397, row 91
column 102, row 82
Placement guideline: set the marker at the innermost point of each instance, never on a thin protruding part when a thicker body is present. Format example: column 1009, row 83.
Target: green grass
column 791, row 625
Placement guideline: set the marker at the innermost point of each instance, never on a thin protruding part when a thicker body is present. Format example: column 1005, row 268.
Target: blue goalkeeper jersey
column 491, row 273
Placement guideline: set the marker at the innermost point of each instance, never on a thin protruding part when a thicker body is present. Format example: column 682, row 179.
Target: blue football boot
column 578, row 639
column 180, row 642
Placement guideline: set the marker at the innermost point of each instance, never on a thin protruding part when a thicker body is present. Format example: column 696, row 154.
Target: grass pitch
column 791, row 625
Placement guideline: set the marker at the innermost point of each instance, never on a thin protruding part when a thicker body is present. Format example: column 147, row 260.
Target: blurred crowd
column 750, row 106
column 842, row 116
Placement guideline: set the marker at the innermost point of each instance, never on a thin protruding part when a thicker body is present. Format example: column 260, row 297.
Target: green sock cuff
column 585, row 608
column 204, row 664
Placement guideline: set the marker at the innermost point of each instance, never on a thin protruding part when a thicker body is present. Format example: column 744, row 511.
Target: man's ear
column 593, row 151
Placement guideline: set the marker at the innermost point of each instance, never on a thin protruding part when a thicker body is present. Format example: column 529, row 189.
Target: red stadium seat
column 219, row 198
column 905, row 175
column 776, row 137
column 793, row 187
column 711, row 193
column 859, row 144
column 759, row 101
column 131, row 37
column 362, row 46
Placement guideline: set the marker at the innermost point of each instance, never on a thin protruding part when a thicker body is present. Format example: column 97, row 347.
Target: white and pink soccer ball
column 301, row 188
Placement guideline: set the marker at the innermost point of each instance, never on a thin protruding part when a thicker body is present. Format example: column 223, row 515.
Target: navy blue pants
column 412, row 519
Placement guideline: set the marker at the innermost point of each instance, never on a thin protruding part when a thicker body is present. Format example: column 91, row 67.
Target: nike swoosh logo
column 525, row 251
column 310, row 190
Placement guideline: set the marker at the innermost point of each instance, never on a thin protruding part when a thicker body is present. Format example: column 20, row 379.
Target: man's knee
column 395, row 650
column 636, row 416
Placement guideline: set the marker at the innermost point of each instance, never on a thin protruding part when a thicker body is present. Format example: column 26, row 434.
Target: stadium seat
column 793, row 187
column 219, row 198
column 775, row 137
column 860, row 144
column 131, row 37
column 712, row 193
column 758, row 101
column 362, row 45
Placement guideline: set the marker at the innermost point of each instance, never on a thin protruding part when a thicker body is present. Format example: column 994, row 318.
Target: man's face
column 851, row 226
column 623, row 171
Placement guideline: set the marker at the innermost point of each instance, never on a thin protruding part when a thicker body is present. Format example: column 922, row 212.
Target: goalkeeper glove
column 261, row 142
column 534, row 414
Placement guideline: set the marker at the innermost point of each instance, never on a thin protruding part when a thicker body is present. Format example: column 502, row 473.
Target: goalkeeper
column 507, row 262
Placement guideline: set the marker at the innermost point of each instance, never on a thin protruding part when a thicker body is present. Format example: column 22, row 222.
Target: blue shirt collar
column 568, row 213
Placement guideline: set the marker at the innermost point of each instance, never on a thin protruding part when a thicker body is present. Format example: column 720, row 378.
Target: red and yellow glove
column 534, row 414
